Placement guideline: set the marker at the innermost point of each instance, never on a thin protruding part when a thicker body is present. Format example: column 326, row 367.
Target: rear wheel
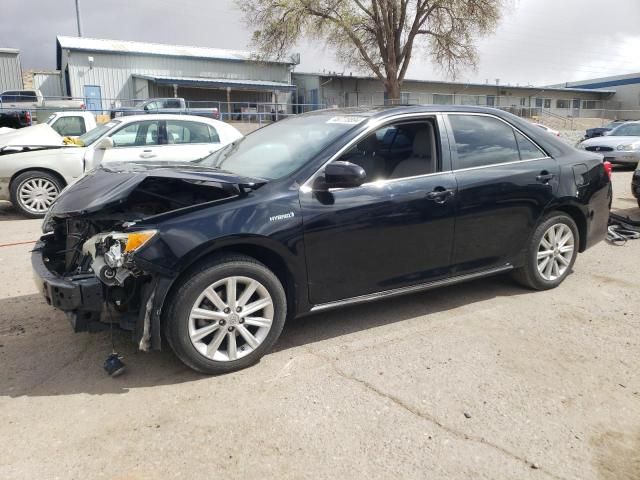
column 227, row 315
column 32, row 193
column 551, row 253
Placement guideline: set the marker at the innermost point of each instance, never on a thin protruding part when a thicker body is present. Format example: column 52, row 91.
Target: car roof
column 381, row 111
column 551, row 144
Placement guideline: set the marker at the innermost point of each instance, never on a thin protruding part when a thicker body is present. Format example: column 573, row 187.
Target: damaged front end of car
column 88, row 264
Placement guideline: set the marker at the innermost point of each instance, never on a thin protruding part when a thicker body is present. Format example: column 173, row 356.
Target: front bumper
column 622, row 158
column 80, row 296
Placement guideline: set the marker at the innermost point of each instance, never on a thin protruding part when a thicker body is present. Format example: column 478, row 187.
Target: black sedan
column 600, row 131
column 319, row 211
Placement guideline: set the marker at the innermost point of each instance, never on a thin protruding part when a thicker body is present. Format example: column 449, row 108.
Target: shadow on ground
column 41, row 356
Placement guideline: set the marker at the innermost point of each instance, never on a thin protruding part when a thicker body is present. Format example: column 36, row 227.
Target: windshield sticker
column 346, row 119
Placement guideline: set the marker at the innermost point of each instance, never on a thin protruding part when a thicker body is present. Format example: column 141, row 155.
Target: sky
column 537, row 42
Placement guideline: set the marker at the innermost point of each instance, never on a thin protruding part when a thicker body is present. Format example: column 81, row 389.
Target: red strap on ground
column 15, row 243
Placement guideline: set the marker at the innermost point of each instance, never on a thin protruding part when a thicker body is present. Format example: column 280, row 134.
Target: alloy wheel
column 555, row 251
column 37, row 194
column 231, row 318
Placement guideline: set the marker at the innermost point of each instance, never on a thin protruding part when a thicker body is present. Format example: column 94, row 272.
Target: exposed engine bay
column 102, row 244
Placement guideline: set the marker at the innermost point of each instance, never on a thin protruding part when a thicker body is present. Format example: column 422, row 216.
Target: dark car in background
column 600, row 131
column 319, row 211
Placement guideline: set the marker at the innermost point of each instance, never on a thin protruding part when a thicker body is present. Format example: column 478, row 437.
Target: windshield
column 278, row 150
column 613, row 124
column 626, row 130
column 93, row 135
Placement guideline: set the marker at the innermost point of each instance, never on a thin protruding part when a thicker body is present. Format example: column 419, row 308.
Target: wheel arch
column 262, row 249
column 63, row 182
column 578, row 216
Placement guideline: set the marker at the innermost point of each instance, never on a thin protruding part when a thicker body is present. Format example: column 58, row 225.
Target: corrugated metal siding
column 10, row 72
column 113, row 72
column 49, row 83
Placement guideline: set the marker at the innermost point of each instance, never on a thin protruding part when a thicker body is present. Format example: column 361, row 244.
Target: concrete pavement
column 481, row 380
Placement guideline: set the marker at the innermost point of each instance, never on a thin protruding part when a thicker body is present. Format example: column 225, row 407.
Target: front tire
column 226, row 315
column 551, row 253
column 32, row 193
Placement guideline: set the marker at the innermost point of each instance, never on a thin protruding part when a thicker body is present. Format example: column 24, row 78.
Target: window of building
column 482, row 140
column 562, row 103
column 469, row 100
column 547, row 103
column 523, row 101
column 589, row 104
column 404, row 99
column 442, row 99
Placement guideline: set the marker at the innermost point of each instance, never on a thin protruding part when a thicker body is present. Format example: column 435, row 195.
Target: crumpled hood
column 610, row 141
column 112, row 184
column 41, row 135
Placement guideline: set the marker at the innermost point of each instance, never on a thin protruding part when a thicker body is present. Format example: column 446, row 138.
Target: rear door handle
column 544, row 177
column 440, row 194
column 147, row 154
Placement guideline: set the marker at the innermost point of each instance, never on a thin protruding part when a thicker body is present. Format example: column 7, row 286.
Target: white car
column 32, row 179
column 619, row 146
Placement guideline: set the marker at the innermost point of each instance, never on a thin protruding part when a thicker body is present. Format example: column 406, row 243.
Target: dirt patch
column 618, row 456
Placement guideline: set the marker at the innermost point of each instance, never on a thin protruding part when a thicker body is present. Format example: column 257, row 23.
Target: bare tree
column 380, row 36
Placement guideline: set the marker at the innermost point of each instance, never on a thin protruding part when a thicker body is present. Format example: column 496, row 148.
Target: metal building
column 10, row 71
column 112, row 73
column 327, row 89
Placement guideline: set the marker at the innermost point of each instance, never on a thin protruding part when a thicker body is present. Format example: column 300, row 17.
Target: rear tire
column 551, row 253
column 33, row 192
column 226, row 315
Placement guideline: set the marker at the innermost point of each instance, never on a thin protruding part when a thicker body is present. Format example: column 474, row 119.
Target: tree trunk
column 392, row 86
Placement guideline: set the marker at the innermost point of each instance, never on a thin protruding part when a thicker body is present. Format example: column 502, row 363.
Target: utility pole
column 78, row 18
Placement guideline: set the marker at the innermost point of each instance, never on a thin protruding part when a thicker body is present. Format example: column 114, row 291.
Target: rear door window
column 182, row 131
column 482, row 140
column 138, row 134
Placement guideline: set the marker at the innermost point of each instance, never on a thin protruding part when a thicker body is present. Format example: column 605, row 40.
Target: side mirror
column 344, row 175
column 105, row 144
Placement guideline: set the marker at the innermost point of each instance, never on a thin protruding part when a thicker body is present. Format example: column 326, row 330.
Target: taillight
column 27, row 117
column 608, row 167
column 83, row 106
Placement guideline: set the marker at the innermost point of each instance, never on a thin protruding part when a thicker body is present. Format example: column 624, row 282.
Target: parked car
column 547, row 129
column 315, row 212
column 71, row 123
column 620, row 146
column 64, row 124
column 600, row 131
column 33, row 178
column 22, row 108
column 166, row 105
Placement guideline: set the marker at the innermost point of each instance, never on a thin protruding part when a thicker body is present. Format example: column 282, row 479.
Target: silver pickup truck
column 22, row 108
column 176, row 106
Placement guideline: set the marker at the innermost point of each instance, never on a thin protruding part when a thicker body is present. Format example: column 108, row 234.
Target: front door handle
column 440, row 194
column 544, row 177
column 147, row 154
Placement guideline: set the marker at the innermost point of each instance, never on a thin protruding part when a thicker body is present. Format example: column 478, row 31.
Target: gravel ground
column 482, row 380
